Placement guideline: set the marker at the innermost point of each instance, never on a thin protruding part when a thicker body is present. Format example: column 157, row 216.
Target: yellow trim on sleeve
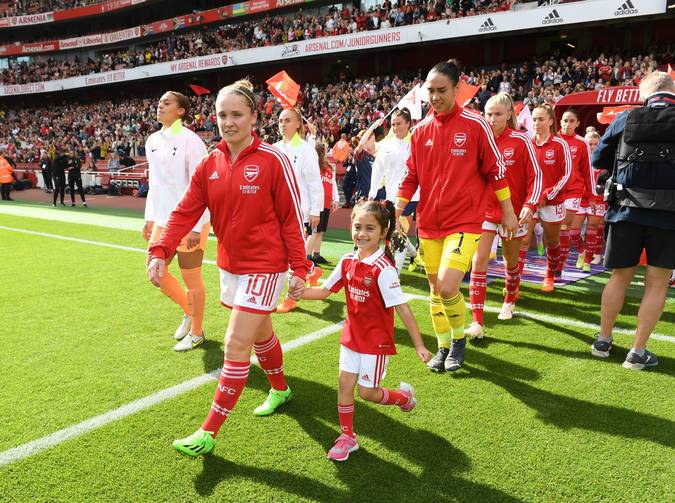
column 503, row 194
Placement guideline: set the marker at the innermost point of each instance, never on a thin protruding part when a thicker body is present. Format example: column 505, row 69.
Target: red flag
column 284, row 88
column 671, row 72
column 608, row 114
column 466, row 94
column 199, row 90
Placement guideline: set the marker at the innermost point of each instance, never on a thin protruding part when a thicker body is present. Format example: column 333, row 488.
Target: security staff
column 46, row 168
column 59, row 174
column 638, row 149
column 75, row 176
column 6, row 178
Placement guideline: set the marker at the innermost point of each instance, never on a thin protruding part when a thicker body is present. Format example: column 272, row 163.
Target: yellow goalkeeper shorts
column 452, row 252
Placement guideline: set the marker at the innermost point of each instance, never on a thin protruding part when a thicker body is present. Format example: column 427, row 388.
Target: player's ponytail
column 390, row 212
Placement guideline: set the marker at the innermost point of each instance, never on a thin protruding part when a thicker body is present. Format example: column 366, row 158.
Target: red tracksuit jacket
column 454, row 160
column 522, row 174
column 556, row 164
column 582, row 184
column 255, row 211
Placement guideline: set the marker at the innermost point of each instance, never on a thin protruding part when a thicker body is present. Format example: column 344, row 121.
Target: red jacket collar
column 548, row 140
column 445, row 118
column 222, row 146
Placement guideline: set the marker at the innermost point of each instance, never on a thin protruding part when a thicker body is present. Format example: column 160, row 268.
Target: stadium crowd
column 270, row 30
column 23, row 7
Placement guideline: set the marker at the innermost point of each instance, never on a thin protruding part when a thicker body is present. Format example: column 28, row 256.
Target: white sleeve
column 196, row 151
column 334, row 281
column 150, row 198
column 312, row 177
column 336, row 193
column 377, row 176
column 390, row 287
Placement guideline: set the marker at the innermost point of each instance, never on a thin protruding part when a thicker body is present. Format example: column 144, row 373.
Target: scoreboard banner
column 473, row 26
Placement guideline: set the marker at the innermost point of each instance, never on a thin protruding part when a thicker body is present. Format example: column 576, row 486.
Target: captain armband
column 503, row 194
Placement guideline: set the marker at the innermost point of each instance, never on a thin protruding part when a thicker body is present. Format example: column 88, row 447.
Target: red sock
column 512, row 284
column 393, row 397
column 552, row 260
column 232, row 381
column 271, row 360
column 346, row 414
column 564, row 248
column 522, row 254
column 576, row 240
column 477, row 293
column 591, row 240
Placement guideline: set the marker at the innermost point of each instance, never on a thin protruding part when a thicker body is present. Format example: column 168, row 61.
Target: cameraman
column 638, row 149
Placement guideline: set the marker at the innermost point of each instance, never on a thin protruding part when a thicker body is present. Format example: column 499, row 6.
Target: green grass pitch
column 531, row 417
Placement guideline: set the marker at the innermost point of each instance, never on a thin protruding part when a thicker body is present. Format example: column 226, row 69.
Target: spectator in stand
column 114, row 164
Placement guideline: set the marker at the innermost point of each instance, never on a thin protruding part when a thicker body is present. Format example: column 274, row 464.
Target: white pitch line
column 559, row 321
column 86, row 241
column 33, row 447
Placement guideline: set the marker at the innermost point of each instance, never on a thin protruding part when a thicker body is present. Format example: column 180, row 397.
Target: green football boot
column 274, row 399
column 200, row 443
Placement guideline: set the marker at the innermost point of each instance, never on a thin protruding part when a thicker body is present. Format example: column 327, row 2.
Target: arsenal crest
column 508, row 153
column 550, row 154
column 573, row 149
column 460, row 139
column 251, row 172
column 367, row 280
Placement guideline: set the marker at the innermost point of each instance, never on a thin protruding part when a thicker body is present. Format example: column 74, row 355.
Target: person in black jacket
column 46, row 168
column 638, row 151
column 59, row 174
column 75, row 175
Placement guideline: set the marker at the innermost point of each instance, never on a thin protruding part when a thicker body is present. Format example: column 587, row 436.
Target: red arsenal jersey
column 555, row 162
column 372, row 289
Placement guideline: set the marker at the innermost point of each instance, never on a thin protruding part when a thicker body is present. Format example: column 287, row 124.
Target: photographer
column 638, row 149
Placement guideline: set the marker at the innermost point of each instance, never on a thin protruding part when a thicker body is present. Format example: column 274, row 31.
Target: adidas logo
column 251, row 300
column 366, row 378
column 552, row 18
column 214, row 176
column 457, row 251
column 487, row 26
column 626, row 9
column 429, row 143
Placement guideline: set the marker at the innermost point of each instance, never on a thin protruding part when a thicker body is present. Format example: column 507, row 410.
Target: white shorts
column 551, row 214
column 370, row 368
column 600, row 210
column 492, row 227
column 573, row 204
column 254, row 293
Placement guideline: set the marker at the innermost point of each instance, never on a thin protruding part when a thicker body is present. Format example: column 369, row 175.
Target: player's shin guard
column 440, row 321
column 271, row 359
column 232, row 381
column 346, row 415
column 171, row 287
column 456, row 313
column 477, row 293
column 196, row 294
column 564, row 248
column 552, row 260
column 522, row 254
column 512, row 284
column 591, row 243
column 576, row 240
column 392, row 397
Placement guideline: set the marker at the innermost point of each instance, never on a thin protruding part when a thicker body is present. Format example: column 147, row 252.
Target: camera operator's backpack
column 649, row 136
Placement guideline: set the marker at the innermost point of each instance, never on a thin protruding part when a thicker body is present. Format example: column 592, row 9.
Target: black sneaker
column 600, row 348
column 72, row 205
column 320, row 260
column 437, row 363
column 637, row 362
column 455, row 359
